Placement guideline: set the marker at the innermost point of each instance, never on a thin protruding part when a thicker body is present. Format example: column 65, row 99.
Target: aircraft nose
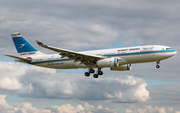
column 172, row 53
column 175, row 52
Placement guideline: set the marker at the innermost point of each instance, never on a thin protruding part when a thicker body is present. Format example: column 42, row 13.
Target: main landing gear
column 158, row 66
column 99, row 72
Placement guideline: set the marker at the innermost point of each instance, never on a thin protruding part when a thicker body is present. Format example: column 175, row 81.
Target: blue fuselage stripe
column 138, row 53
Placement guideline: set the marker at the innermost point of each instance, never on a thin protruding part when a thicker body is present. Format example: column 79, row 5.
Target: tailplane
column 23, row 47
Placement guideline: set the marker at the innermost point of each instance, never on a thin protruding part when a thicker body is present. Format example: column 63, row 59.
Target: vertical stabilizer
column 23, row 47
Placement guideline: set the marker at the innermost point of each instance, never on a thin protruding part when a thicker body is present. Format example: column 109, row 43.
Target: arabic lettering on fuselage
column 148, row 48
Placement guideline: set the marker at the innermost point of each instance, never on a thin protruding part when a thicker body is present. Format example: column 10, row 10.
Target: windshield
column 168, row 48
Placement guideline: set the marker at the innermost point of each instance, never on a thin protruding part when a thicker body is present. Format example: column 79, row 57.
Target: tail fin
column 23, row 47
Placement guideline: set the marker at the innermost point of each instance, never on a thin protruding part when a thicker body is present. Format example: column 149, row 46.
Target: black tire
column 95, row 75
column 100, row 73
column 157, row 66
column 87, row 74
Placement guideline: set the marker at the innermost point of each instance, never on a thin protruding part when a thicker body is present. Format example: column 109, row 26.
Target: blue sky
column 88, row 25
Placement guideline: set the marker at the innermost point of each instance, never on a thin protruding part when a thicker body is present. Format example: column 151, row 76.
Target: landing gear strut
column 91, row 70
column 158, row 66
column 99, row 72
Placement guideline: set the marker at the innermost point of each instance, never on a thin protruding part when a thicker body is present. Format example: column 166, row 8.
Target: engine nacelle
column 108, row 62
column 122, row 68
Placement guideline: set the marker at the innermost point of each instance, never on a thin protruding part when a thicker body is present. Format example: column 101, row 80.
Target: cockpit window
column 168, row 48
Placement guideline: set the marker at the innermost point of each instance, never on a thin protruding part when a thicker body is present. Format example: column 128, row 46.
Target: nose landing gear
column 158, row 66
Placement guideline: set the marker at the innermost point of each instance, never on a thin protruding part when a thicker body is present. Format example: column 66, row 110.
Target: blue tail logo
column 21, row 44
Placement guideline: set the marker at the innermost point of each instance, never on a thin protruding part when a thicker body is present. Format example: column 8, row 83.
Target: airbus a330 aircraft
column 119, row 59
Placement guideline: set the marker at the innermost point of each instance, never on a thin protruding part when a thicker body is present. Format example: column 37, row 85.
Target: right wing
column 77, row 56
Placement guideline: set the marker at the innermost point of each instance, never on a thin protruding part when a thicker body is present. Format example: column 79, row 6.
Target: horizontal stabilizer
column 20, row 59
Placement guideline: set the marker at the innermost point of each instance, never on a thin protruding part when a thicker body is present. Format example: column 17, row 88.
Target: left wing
column 20, row 59
column 77, row 56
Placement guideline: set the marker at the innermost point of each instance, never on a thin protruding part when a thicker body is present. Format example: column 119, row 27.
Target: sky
column 82, row 25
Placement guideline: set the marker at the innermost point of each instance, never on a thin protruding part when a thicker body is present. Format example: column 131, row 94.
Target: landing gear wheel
column 91, row 71
column 100, row 73
column 95, row 75
column 157, row 66
column 87, row 74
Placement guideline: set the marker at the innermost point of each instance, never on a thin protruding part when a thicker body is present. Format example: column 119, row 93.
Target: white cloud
column 25, row 107
column 32, row 81
column 12, row 72
column 79, row 109
column 150, row 109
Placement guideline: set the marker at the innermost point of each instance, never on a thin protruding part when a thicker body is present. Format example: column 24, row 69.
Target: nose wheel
column 158, row 66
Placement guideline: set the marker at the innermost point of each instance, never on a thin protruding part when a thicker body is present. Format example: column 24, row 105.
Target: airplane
column 118, row 59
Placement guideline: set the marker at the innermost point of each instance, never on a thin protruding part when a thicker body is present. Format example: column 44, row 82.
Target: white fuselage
column 138, row 54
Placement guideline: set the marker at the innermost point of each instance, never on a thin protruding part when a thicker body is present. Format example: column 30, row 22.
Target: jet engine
column 108, row 62
column 121, row 68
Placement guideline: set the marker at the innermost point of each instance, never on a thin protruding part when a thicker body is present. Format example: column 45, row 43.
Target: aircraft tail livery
column 23, row 47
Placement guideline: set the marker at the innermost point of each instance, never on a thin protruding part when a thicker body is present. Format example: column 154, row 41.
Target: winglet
column 39, row 43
